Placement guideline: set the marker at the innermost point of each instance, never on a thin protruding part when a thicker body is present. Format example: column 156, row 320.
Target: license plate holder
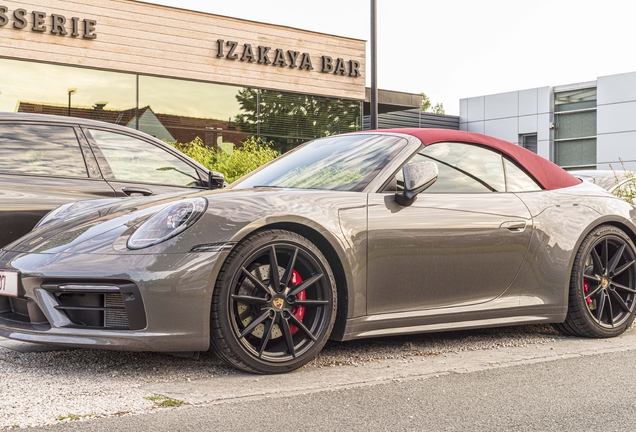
column 8, row 283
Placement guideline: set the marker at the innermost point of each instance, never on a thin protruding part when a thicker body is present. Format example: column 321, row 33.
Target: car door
column 462, row 241
column 42, row 166
column 134, row 167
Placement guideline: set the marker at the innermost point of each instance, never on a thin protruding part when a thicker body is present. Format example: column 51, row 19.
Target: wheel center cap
column 278, row 302
column 604, row 282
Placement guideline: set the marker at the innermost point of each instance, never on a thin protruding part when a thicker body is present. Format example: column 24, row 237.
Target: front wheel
column 602, row 299
column 274, row 303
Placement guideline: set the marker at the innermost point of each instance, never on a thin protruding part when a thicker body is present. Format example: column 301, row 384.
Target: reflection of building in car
column 166, row 127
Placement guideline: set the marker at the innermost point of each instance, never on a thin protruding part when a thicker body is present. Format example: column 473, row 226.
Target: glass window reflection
column 134, row 160
column 40, row 150
column 41, row 88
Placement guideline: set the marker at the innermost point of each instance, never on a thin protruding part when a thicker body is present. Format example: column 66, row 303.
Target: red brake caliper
column 298, row 311
column 586, row 288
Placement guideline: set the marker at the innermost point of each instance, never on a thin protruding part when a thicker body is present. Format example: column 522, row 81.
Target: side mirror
column 216, row 180
column 417, row 177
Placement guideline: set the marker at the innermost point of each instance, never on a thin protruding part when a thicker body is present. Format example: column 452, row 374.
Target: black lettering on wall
column 305, row 62
column 231, row 54
column 57, row 24
column 327, row 64
column 20, row 21
column 279, row 58
column 75, row 21
column 4, row 20
column 219, row 48
column 340, row 68
column 262, row 55
column 293, row 55
column 354, row 68
column 89, row 29
column 38, row 21
column 248, row 54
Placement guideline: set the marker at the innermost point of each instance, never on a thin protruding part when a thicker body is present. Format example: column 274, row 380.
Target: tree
column 438, row 108
column 296, row 117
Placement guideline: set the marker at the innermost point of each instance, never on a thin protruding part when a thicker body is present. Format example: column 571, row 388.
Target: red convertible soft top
column 549, row 175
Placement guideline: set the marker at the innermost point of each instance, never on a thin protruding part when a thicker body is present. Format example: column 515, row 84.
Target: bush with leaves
column 626, row 187
column 232, row 163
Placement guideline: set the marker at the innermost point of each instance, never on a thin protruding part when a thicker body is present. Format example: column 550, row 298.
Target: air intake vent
column 19, row 306
column 115, row 318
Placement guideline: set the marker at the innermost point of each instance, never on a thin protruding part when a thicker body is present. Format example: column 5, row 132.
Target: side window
column 132, row 159
column 477, row 162
column 517, row 180
column 40, row 150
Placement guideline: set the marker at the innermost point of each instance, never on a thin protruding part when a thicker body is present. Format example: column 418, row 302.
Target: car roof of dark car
column 549, row 175
column 28, row 117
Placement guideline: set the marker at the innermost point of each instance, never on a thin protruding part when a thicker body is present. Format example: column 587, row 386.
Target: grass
column 164, row 402
column 72, row 417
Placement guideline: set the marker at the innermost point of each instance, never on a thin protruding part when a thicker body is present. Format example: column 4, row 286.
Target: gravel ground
column 43, row 388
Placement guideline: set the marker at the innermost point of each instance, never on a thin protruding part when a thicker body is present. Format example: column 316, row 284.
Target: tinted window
column 517, row 180
column 449, row 180
column 131, row 159
column 40, row 150
column 344, row 162
column 478, row 162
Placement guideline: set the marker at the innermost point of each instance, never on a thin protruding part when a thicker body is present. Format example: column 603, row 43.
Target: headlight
column 169, row 222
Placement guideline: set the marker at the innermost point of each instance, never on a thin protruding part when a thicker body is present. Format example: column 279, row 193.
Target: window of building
column 175, row 109
column 529, row 142
column 575, row 134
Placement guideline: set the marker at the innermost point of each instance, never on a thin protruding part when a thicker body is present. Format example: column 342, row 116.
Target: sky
column 454, row 49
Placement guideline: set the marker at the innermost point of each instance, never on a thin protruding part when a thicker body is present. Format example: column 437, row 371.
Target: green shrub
column 627, row 190
column 233, row 163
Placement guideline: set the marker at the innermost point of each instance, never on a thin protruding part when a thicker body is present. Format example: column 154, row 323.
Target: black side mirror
column 417, row 177
column 216, row 180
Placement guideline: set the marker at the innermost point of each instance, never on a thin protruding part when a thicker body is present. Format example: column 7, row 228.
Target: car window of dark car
column 132, row 159
column 517, row 180
column 48, row 150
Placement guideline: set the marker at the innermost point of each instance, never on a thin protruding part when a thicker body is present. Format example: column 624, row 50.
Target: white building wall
column 616, row 121
column 510, row 115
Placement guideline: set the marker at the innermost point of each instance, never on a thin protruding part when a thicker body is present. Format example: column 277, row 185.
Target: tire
column 272, row 322
column 602, row 297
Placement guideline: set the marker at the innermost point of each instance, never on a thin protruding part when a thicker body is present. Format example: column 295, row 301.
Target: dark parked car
column 352, row 236
column 46, row 161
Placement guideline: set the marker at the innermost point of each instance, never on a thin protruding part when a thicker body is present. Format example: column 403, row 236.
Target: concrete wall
column 616, row 121
column 509, row 115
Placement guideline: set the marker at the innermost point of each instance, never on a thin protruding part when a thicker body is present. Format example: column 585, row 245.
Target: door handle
column 133, row 191
column 514, row 226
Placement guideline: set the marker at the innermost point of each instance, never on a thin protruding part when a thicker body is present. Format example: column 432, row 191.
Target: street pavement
column 574, row 385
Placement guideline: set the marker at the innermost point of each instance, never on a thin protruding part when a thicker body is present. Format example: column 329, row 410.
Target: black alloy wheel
column 603, row 285
column 274, row 303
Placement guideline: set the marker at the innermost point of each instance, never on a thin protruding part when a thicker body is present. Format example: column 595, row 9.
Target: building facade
column 590, row 125
column 178, row 74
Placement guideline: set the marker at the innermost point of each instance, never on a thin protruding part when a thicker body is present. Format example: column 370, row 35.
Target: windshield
column 343, row 162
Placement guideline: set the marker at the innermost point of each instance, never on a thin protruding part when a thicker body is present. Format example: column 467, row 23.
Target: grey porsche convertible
column 351, row 236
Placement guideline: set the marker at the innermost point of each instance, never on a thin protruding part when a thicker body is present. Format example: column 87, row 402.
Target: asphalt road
column 593, row 388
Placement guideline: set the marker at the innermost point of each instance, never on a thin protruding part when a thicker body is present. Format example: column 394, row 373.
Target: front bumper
column 132, row 302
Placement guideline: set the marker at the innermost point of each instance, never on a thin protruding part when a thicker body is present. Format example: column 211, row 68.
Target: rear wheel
column 274, row 303
column 602, row 299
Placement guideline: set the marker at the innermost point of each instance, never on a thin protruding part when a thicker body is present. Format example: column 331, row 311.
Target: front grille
column 19, row 306
column 97, row 304
column 115, row 314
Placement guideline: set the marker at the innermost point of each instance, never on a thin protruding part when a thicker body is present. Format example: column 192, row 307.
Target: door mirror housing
column 417, row 177
column 216, row 180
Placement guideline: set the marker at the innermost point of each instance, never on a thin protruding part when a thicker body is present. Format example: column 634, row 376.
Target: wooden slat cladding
column 157, row 40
